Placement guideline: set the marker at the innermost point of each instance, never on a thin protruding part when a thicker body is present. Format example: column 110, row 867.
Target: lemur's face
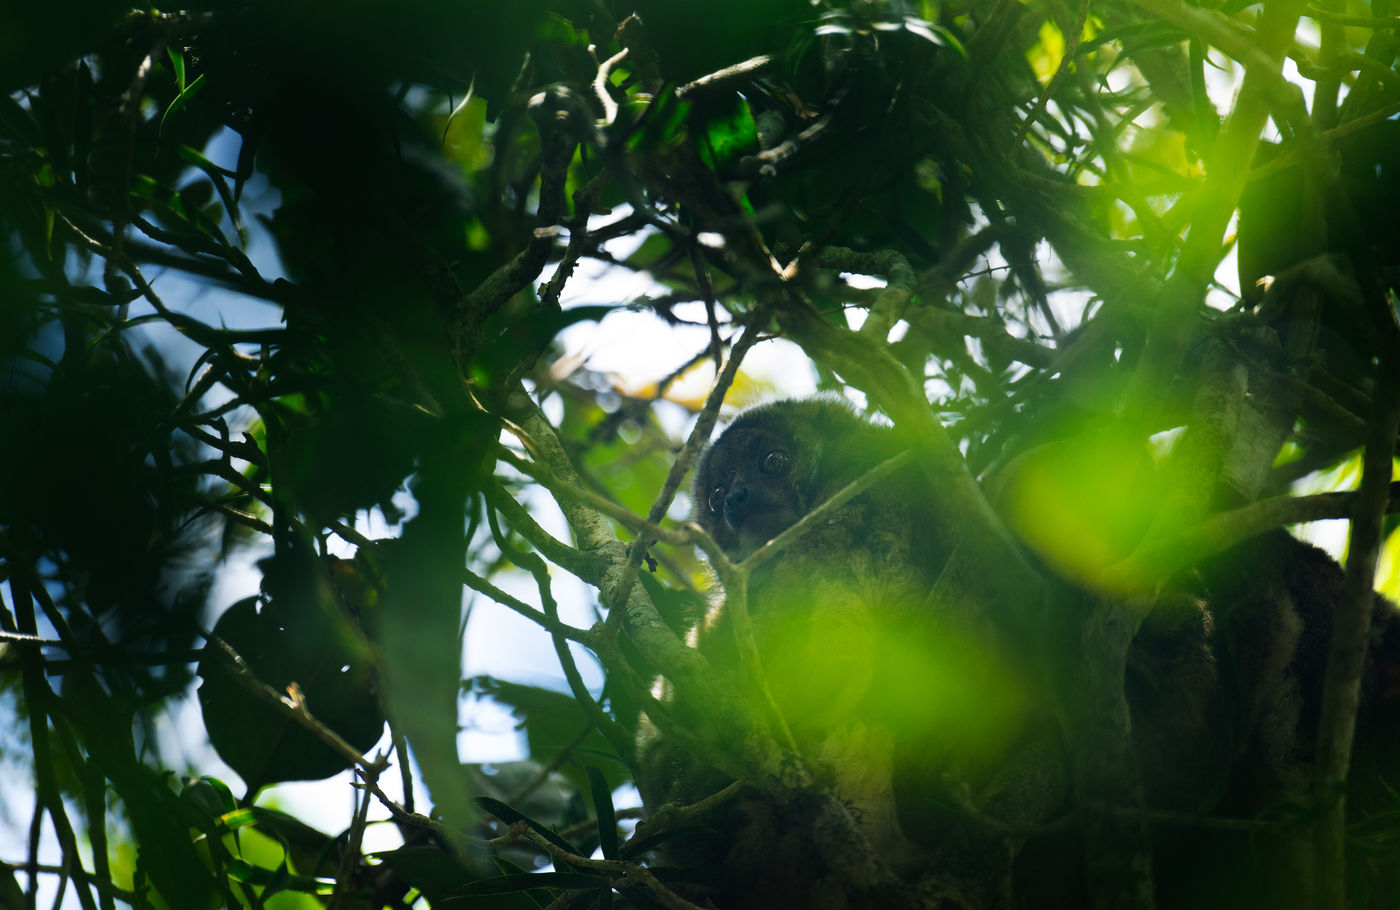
column 748, row 488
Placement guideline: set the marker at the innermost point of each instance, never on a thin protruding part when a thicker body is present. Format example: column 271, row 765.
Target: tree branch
column 1346, row 659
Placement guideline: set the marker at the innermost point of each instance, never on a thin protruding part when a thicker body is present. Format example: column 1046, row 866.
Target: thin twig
column 550, row 624
column 699, row 436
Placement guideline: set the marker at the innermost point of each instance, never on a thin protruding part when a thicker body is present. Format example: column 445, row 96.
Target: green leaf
column 726, row 137
column 662, row 124
column 197, row 158
column 10, row 893
column 182, row 99
column 933, row 33
column 292, row 639
column 311, row 852
column 460, row 106
column 210, row 795
column 177, row 64
column 239, row 818
column 434, row 873
column 280, row 878
column 607, row 818
column 510, row 816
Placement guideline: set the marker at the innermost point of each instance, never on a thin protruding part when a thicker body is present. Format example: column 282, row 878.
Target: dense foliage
column 360, row 234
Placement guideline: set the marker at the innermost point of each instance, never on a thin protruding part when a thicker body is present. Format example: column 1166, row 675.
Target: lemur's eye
column 775, row 463
column 716, row 500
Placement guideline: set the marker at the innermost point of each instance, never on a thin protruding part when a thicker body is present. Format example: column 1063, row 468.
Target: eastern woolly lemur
column 852, row 650
column 912, row 719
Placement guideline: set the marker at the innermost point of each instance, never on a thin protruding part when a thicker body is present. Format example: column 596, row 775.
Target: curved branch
column 1221, row 532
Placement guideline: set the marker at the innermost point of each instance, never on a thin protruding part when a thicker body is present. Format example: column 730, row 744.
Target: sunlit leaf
column 177, row 63
column 182, row 99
